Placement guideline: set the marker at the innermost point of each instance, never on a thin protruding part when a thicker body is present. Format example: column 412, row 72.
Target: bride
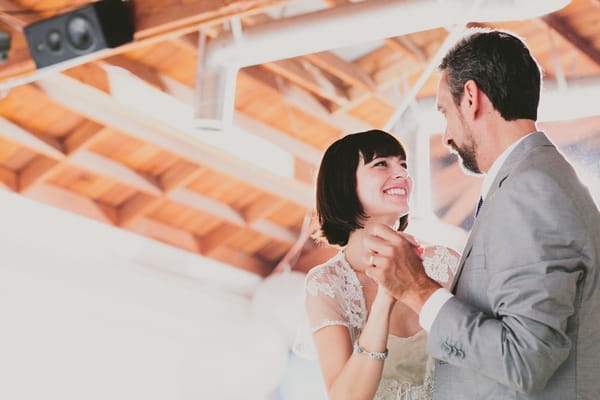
column 369, row 346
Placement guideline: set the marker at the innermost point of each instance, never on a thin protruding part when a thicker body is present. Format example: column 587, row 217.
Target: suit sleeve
column 529, row 254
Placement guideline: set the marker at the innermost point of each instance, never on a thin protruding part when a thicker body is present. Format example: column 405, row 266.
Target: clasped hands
column 395, row 260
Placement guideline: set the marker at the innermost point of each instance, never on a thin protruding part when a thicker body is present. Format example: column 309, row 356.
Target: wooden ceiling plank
column 70, row 201
column 222, row 211
column 407, row 47
column 8, row 179
column 136, row 207
column 84, row 136
column 165, row 233
column 242, row 260
column 141, row 205
column 111, row 169
column 179, row 175
column 102, row 108
column 141, row 71
column 36, row 171
column 299, row 73
column 217, row 238
column 170, row 15
column 294, row 146
column 561, row 26
column 345, row 70
column 190, row 242
column 288, row 143
column 261, row 208
column 207, row 205
column 15, row 15
column 341, row 120
column 153, row 23
column 275, row 231
column 16, row 134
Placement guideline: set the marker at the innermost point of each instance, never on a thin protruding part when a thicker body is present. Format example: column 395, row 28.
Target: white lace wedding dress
column 334, row 296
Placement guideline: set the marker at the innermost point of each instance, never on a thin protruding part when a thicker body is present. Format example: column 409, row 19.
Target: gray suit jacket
column 525, row 319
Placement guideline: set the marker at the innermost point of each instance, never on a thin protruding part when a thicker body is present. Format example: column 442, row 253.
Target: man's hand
column 395, row 260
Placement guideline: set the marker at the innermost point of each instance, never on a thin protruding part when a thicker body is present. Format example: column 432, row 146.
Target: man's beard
column 467, row 157
column 468, row 152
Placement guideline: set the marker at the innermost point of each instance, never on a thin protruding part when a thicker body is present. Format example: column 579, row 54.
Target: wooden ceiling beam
column 307, row 76
column 224, row 212
column 179, row 175
column 141, row 71
column 153, row 23
column 52, row 158
column 304, row 101
column 104, row 109
column 16, row 134
column 137, row 207
column 404, row 45
column 51, row 161
column 8, row 179
column 84, row 136
column 261, row 208
column 152, row 18
column 36, row 171
column 70, row 201
column 561, row 26
column 15, row 15
column 346, row 71
column 190, row 242
column 242, row 260
column 165, row 233
column 218, row 237
column 113, row 170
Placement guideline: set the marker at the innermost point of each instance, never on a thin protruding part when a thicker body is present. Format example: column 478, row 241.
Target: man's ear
column 471, row 99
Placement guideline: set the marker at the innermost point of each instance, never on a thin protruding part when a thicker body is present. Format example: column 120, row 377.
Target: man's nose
column 446, row 138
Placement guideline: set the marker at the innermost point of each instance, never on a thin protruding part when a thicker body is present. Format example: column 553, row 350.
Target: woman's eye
column 381, row 163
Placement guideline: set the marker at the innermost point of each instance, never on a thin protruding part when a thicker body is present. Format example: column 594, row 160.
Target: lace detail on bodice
column 439, row 262
column 338, row 280
column 334, row 297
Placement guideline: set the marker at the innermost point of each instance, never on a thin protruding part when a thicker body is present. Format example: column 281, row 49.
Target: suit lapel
column 530, row 142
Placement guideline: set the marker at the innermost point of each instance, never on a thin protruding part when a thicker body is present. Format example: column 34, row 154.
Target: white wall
column 88, row 311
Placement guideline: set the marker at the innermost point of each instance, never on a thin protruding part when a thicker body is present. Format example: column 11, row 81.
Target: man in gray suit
column 522, row 320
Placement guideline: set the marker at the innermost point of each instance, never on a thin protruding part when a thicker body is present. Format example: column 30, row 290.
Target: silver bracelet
column 371, row 354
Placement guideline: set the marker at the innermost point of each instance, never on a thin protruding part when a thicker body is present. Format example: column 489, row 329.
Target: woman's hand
column 383, row 297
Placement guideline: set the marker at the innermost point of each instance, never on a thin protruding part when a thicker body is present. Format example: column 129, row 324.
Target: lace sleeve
column 440, row 263
column 322, row 309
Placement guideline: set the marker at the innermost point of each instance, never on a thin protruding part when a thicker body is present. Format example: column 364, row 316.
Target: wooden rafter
column 101, row 107
column 52, row 161
column 153, row 24
column 562, row 27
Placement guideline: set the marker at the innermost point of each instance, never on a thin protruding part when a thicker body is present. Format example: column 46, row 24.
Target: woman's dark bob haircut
column 338, row 208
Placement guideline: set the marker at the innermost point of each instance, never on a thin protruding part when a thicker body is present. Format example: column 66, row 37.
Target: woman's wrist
column 383, row 297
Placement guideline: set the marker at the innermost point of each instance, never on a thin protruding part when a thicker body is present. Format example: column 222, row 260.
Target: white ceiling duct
column 337, row 27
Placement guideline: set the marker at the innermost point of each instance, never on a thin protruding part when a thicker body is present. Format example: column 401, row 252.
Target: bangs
column 380, row 145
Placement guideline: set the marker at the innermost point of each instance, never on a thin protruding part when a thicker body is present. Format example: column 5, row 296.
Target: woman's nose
column 401, row 173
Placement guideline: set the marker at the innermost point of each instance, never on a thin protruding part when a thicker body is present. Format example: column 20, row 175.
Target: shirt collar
column 490, row 176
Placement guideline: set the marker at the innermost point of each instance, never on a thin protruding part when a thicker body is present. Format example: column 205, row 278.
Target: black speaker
column 96, row 26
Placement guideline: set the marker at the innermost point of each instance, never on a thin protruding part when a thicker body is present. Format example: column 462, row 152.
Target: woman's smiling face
column 383, row 187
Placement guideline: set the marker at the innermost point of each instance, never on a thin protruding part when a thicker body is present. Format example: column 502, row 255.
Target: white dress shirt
column 434, row 303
